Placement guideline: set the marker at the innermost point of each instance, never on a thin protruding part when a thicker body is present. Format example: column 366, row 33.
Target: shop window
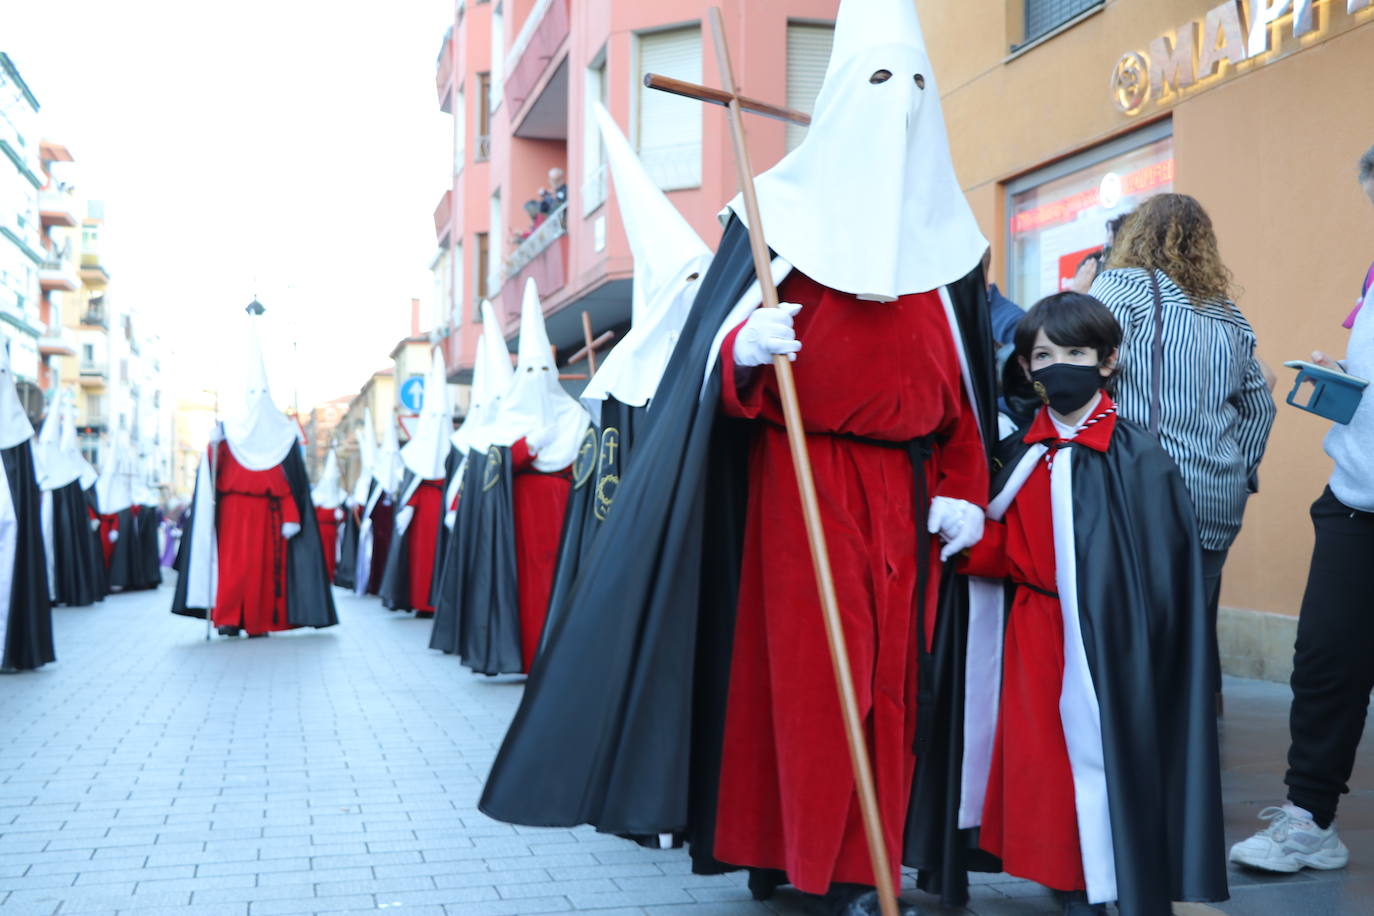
column 1044, row 16
column 1058, row 215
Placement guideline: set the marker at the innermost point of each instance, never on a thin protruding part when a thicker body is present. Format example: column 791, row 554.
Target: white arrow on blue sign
column 413, row 393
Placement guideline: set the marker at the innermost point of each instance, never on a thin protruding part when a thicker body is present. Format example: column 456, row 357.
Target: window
column 88, row 353
column 482, row 150
column 1059, row 214
column 460, row 132
column 808, row 54
column 458, row 288
column 668, row 128
column 1044, row 16
column 498, row 55
column 593, row 151
column 494, row 228
column 483, row 255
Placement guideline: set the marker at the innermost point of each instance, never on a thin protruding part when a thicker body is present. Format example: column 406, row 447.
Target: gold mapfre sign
column 1207, row 49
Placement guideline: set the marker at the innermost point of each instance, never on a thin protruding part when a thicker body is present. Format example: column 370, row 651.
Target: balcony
column 94, row 374
column 443, row 78
column 95, row 318
column 92, row 273
column 536, row 47
column 58, row 275
column 443, row 218
column 58, row 207
column 542, row 256
column 57, row 342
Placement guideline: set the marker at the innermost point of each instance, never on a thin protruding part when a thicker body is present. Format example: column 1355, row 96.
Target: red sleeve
column 520, row 455
column 282, row 489
column 988, row 557
column 746, row 403
column 963, row 462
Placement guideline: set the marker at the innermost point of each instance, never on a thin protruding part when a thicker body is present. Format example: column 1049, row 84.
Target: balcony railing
column 57, row 341
column 92, row 272
column 95, row 317
column 95, row 367
column 56, row 274
column 594, row 190
column 534, row 48
column 483, row 151
column 57, row 208
column 443, row 78
column 550, row 231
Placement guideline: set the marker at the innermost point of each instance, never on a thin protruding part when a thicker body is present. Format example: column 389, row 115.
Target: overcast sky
column 288, row 148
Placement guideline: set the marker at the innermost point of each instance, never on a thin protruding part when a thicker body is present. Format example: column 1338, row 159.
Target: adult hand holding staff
column 796, row 436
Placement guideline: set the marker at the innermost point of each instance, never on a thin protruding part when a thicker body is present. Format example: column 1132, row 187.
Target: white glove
column 450, row 519
column 541, row 438
column 338, row 515
column 114, row 536
column 403, row 519
column 960, row 524
column 290, row 529
column 95, row 524
column 767, row 333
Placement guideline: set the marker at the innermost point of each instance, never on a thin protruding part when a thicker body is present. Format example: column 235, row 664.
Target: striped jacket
column 1215, row 408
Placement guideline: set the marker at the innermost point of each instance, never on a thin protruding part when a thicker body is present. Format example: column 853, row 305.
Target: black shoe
column 763, row 882
column 228, row 631
column 423, row 615
column 1076, row 904
column 258, row 635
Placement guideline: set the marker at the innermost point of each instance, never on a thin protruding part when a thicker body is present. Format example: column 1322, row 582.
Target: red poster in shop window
column 1068, row 265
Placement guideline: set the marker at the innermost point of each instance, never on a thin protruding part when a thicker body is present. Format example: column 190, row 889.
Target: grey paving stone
column 311, row 905
column 511, row 907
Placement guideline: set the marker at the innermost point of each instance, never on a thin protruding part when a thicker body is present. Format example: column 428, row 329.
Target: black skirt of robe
column 488, row 604
column 123, row 570
column 451, row 464
column 451, row 575
column 28, row 631
column 78, row 579
column 383, row 519
column 93, row 512
column 394, row 588
column 346, row 570
column 147, row 557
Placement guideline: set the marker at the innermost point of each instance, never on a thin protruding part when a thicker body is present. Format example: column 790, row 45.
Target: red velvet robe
column 251, row 508
column 887, row 371
column 329, row 521
column 540, row 502
column 1029, row 816
column 421, row 535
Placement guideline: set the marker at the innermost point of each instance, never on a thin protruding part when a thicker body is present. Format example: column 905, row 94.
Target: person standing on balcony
column 252, row 557
column 410, row 563
column 25, row 606
column 712, row 712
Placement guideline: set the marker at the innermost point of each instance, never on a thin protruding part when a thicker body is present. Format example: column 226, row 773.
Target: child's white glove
column 767, row 333
column 959, row 523
column 290, row 529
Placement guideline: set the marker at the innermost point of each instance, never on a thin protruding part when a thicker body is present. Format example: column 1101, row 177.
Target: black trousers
column 1212, row 563
column 1333, row 663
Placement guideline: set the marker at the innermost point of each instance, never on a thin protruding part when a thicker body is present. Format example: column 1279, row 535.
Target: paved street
column 151, row 772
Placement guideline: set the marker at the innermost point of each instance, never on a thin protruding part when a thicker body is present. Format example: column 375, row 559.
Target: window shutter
column 669, row 127
column 808, row 54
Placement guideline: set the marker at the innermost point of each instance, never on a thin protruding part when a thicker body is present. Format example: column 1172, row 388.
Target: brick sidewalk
column 151, row 772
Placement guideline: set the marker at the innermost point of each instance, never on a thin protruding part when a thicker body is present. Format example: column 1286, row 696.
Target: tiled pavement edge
column 150, row 772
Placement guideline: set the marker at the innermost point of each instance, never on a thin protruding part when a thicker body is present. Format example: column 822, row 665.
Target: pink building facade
column 519, row 77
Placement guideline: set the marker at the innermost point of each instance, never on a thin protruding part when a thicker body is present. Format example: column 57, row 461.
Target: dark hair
column 1367, row 165
column 1069, row 319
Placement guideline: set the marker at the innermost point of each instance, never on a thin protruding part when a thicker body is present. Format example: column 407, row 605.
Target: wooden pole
column 811, row 511
column 719, row 97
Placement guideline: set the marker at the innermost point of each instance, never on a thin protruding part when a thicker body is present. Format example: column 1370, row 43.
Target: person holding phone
column 1332, row 676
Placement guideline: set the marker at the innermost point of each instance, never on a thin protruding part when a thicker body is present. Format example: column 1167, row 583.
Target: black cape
column 394, row 589
column 122, row 573
column 635, row 749
column 147, row 557
column 346, row 570
column 309, row 599
column 28, row 628
column 452, row 465
column 78, row 576
column 602, row 459
column 1140, row 600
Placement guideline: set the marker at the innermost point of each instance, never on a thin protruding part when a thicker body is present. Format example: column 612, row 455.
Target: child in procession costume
column 252, row 546
column 410, row 563
column 1094, row 769
column 25, row 606
column 328, row 497
column 669, row 261
column 75, row 576
column 712, row 714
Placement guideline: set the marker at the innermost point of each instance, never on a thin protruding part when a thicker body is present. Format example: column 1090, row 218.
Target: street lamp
column 255, row 307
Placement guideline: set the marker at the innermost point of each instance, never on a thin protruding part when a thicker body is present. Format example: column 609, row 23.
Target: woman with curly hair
column 1188, row 370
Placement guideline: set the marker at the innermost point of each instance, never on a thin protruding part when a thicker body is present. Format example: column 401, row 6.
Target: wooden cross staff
column 796, row 438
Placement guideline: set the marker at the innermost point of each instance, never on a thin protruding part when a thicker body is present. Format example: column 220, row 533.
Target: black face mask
column 1066, row 387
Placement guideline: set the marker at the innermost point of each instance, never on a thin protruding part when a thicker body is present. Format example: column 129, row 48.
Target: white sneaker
column 1290, row 843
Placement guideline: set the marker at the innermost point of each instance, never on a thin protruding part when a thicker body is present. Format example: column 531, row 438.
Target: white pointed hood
column 143, row 493
column 367, row 457
column 536, row 398
column 56, row 464
column 114, row 490
column 387, row 467
column 477, row 396
column 329, row 492
column 670, row 260
column 869, row 203
column 428, row 448
column 261, row 436
column 497, row 383
column 14, row 422
column 70, row 446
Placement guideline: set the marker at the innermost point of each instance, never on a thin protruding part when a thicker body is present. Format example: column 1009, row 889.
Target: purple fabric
column 1364, row 293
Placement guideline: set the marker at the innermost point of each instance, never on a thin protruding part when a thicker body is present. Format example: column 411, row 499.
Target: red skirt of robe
column 886, row 371
column 251, row 507
column 540, row 501
column 421, row 535
column 108, row 523
column 329, row 521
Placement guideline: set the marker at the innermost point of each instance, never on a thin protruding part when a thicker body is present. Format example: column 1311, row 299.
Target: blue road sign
column 413, row 393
